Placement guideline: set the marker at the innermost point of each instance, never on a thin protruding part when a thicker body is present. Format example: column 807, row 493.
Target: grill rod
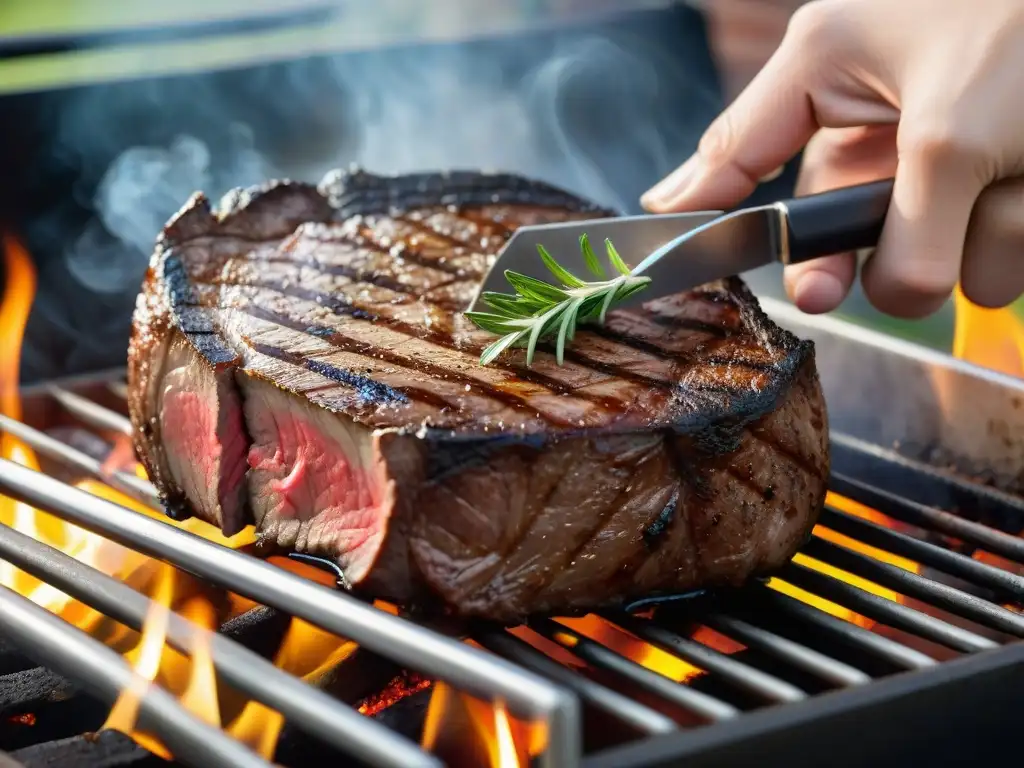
column 763, row 601
column 54, row 449
column 1008, row 585
column 625, row 709
column 886, row 611
column 68, row 651
column 593, row 653
column 742, row 676
column 912, row 585
column 92, row 414
column 303, row 704
column 478, row 672
column 912, row 513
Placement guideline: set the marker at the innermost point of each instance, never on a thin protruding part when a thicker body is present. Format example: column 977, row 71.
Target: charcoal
column 22, row 691
column 108, row 749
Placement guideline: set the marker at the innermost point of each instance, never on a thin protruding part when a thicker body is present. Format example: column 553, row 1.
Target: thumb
column 767, row 124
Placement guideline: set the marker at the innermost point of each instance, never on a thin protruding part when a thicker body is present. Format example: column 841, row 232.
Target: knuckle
column 998, row 215
column 988, row 295
column 923, row 282
column 939, row 145
column 817, row 24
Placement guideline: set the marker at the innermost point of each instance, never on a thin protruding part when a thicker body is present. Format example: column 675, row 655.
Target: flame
column 857, row 509
column 994, row 339
column 991, row 338
column 467, row 731
column 305, row 651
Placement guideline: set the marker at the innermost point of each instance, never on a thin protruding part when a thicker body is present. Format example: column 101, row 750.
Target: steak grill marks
column 515, row 490
column 344, row 300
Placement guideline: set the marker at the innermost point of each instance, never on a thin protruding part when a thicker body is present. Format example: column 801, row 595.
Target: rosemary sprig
column 538, row 310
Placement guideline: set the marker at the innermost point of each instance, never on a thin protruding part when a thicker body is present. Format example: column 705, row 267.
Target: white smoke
column 603, row 113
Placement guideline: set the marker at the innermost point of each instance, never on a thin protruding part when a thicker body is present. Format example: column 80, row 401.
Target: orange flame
column 994, row 339
column 851, row 507
column 306, row 651
column 991, row 338
column 466, row 731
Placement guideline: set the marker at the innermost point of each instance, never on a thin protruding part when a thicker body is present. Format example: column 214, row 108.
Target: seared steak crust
column 299, row 361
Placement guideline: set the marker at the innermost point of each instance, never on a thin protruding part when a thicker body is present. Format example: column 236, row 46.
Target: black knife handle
column 838, row 221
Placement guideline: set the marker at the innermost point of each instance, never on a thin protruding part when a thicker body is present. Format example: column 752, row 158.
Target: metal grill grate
column 956, row 605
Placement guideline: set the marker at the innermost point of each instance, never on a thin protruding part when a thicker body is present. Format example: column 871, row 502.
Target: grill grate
column 790, row 651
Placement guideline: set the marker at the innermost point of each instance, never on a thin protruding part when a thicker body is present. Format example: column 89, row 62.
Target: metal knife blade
column 677, row 251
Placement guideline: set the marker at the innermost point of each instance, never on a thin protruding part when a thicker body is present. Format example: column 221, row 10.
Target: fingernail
column 672, row 187
column 817, row 291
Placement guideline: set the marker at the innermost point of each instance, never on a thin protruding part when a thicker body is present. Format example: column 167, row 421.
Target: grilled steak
column 299, row 361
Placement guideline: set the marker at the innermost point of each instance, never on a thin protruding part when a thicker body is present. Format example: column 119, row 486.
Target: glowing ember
column 400, row 688
column 306, row 651
column 454, row 721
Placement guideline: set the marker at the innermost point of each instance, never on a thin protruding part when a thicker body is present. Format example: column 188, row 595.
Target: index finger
column 767, row 124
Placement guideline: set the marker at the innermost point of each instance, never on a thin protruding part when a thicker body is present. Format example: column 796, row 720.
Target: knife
column 679, row 251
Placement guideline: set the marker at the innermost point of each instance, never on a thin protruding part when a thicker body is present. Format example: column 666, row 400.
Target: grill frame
column 925, row 689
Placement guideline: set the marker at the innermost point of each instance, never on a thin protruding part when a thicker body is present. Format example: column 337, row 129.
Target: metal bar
column 302, row 704
column 771, row 602
column 55, row 450
column 965, row 707
column 1004, row 583
column 480, row 673
column 68, row 651
column 795, row 654
column 911, row 584
column 922, row 482
column 603, row 658
column 91, row 413
column 741, row 675
column 623, row 708
column 12, row 47
column 118, row 389
column 886, row 611
column 907, row 511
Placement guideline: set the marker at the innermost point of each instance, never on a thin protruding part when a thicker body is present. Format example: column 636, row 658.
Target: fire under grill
column 896, row 630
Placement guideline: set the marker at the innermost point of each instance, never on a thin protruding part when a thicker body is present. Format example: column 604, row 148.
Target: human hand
column 928, row 91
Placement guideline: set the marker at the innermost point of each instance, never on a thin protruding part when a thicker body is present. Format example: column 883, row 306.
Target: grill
column 847, row 655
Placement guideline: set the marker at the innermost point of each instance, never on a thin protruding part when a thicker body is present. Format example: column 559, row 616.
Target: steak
column 300, row 362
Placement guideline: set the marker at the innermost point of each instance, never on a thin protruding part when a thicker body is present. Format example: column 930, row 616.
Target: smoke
column 602, row 111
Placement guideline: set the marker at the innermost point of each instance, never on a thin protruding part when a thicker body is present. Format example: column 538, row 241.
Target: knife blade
column 682, row 251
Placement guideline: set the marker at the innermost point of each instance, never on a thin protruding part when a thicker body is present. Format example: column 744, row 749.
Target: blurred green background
column 42, row 17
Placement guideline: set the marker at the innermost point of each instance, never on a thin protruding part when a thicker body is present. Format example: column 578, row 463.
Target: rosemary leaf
column 533, row 288
column 615, row 259
column 541, row 326
column 496, row 323
column 566, row 328
column 512, row 306
column 493, row 350
column 589, row 257
column 567, row 278
column 609, row 297
column 538, row 310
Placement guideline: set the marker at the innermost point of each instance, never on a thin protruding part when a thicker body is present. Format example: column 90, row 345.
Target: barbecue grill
column 895, row 635
column 778, row 675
